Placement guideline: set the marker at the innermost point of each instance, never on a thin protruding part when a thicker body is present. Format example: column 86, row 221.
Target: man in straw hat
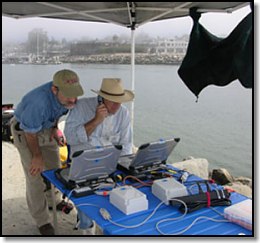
column 100, row 121
column 35, row 133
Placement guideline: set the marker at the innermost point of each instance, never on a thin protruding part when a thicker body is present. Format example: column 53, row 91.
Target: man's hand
column 58, row 136
column 37, row 165
column 101, row 113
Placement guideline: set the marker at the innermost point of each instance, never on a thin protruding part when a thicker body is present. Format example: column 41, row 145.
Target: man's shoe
column 91, row 230
column 47, row 229
column 63, row 206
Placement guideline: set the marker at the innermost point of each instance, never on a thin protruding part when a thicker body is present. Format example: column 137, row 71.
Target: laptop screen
column 94, row 164
column 153, row 153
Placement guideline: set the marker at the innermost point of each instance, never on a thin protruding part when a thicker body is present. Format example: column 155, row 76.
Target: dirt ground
column 16, row 219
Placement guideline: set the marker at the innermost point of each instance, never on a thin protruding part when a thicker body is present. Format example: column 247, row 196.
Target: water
column 218, row 127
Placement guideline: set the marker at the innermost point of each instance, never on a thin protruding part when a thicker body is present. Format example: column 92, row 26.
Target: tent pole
column 132, row 77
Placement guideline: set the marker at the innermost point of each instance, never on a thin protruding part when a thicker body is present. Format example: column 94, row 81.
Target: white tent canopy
column 128, row 14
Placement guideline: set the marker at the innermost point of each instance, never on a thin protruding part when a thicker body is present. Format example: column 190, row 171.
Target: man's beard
column 70, row 105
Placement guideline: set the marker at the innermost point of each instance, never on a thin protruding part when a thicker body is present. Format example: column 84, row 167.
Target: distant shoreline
column 113, row 58
column 175, row 64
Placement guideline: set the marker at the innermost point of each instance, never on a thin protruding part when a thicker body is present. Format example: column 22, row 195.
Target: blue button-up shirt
column 39, row 109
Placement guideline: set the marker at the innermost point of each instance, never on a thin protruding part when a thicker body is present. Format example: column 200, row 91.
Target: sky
column 221, row 24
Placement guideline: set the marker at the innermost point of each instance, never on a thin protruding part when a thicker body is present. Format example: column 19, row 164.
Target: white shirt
column 115, row 129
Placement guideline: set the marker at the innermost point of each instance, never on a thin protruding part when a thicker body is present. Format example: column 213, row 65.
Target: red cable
column 208, row 199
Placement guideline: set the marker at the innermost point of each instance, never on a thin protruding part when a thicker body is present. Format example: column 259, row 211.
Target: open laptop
column 150, row 156
column 90, row 165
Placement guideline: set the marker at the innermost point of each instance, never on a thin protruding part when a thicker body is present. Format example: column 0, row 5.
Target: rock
column 244, row 180
column 198, row 167
column 240, row 188
column 188, row 158
column 222, row 176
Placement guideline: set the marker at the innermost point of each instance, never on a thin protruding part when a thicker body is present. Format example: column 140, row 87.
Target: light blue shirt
column 39, row 109
column 115, row 129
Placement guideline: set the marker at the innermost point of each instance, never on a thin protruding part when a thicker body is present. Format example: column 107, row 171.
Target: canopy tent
column 127, row 14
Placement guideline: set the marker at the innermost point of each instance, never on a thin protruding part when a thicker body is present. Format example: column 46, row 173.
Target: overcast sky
column 218, row 23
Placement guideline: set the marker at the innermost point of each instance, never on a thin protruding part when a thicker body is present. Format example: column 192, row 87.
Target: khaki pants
column 36, row 197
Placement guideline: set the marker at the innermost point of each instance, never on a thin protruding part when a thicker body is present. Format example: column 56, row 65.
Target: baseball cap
column 68, row 83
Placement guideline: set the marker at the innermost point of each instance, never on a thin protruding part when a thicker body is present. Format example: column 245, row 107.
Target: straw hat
column 112, row 89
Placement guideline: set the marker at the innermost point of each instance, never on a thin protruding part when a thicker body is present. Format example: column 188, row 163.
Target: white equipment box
column 168, row 188
column 240, row 213
column 128, row 199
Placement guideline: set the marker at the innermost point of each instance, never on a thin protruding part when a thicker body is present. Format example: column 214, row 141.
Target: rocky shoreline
column 124, row 58
column 221, row 176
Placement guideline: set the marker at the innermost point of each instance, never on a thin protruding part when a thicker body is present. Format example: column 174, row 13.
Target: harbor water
column 218, row 127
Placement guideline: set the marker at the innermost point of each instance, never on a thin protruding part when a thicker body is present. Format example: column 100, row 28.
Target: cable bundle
column 217, row 197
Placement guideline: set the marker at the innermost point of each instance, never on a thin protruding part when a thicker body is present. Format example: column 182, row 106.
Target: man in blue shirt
column 35, row 133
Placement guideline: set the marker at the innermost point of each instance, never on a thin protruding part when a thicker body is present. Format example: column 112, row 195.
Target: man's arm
column 83, row 120
column 37, row 163
column 91, row 126
column 101, row 114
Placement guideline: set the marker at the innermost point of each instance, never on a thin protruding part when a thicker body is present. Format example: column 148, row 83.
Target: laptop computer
column 150, row 156
column 88, row 166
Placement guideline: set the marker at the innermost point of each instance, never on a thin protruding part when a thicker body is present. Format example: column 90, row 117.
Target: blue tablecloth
column 203, row 227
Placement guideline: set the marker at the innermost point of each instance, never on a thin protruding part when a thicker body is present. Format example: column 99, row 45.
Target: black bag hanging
column 218, row 61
